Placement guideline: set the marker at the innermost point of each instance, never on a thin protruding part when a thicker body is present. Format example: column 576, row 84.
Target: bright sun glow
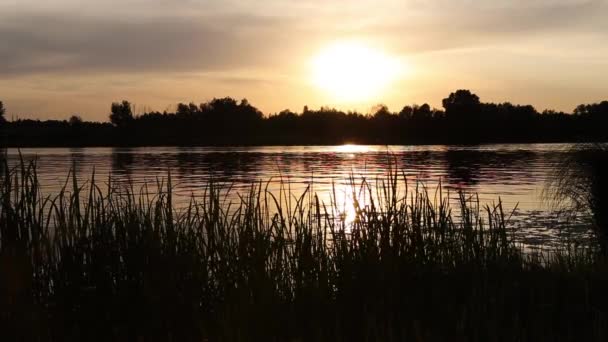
column 351, row 71
column 350, row 148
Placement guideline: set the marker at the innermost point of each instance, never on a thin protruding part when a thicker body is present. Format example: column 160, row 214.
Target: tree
column 462, row 104
column 592, row 110
column 422, row 112
column 187, row 110
column 248, row 112
column 381, row 112
column 406, row 113
column 75, row 120
column 2, row 112
column 121, row 115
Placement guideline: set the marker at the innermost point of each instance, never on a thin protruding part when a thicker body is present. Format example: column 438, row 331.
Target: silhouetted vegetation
column 580, row 183
column 121, row 116
column 2, row 112
column 225, row 121
column 95, row 265
column 75, row 120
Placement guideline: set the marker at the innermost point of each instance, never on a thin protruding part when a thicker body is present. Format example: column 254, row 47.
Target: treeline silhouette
column 464, row 119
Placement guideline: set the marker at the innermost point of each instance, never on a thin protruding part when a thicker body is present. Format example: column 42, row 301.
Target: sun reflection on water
column 344, row 198
column 352, row 148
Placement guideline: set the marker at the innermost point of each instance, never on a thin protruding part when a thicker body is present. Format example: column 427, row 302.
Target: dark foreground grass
column 92, row 265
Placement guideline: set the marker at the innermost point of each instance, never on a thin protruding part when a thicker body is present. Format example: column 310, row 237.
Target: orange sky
column 67, row 56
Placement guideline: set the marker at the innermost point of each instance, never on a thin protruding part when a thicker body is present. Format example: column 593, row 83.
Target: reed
column 579, row 184
column 92, row 263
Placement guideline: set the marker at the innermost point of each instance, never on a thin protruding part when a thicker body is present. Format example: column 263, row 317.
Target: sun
column 352, row 71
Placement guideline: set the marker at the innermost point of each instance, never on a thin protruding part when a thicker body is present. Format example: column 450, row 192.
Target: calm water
column 516, row 173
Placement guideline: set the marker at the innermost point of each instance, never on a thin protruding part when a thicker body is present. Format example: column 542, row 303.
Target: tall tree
column 406, row 113
column 121, row 115
column 2, row 112
column 462, row 104
column 381, row 111
column 75, row 120
column 422, row 112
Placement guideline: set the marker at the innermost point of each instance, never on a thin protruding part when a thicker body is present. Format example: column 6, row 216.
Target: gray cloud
column 43, row 43
column 534, row 16
column 465, row 24
column 186, row 38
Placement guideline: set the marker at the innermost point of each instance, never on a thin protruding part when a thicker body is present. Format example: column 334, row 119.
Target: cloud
column 524, row 17
column 455, row 24
column 57, row 53
column 51, row 43
column 189, row 35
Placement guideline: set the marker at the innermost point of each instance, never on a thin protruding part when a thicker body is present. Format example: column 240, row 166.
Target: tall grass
column 580, row 184
column 95, row 264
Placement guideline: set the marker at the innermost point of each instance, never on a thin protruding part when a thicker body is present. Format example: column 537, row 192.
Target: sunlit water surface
column 515, row 173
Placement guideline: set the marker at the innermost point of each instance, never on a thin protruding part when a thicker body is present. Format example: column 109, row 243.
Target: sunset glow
column 351, row 71
column 352, row 148
column 282, row 55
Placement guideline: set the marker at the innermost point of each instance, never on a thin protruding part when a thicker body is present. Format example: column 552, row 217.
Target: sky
column 65, row 57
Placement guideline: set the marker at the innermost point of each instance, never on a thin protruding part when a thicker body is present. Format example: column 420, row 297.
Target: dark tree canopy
column 422, row 112
column 406, row 113
column 227, row 121
column 462, row 104
column 595, row 110
column 381, row 112
column 188, row 110
column 121, row 115
column 2, row 112
column 75, row 120
column 227, row 108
